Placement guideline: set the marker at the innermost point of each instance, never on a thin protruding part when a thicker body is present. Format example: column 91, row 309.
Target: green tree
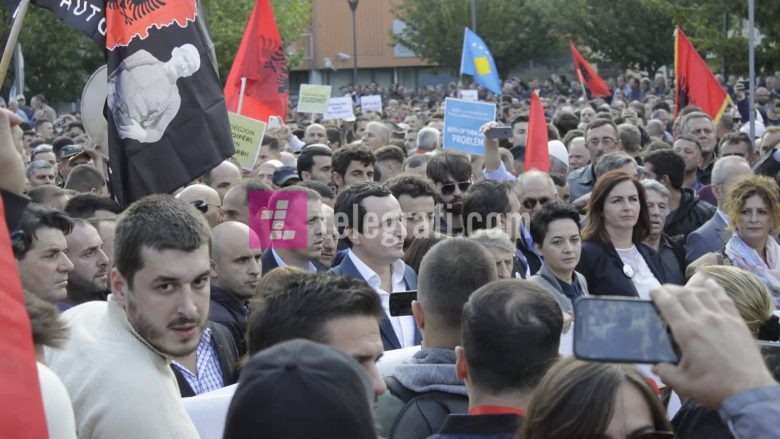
column 58, row 59
column 629, row 33
column 512, row 29
column 703, row 22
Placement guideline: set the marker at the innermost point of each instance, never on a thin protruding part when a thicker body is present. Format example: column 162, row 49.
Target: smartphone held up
column 622, row 330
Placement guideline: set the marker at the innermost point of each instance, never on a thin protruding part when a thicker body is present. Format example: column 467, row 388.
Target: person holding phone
column 615, row 260
column 555, row 229
column 754, row 213
column 754, row 304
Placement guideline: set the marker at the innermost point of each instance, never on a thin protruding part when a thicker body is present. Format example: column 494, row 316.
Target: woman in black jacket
column 614, row 259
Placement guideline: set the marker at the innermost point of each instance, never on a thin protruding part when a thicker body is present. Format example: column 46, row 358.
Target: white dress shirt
column 403, row 326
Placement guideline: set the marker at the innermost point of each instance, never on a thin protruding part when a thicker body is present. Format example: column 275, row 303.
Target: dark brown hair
column 576, row 399
column 595, row 230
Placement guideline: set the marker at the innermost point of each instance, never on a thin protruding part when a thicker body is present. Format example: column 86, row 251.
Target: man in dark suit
column 713, row 234
column 371, row 220
column 305, row 258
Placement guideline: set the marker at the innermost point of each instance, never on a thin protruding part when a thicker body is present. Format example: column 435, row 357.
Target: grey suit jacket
column 712, row 236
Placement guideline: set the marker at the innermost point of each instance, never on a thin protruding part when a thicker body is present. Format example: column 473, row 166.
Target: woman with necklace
column 614, row 259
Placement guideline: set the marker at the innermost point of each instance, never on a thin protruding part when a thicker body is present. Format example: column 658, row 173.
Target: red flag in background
column 694, row 82
column 21, row 407
column 537, row 156
column 261, row 60
column 586, row 75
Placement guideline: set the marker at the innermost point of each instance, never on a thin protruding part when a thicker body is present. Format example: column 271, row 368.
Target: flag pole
column 13, row 37
column 241, row 95
column 582, row 85
column 752, row 69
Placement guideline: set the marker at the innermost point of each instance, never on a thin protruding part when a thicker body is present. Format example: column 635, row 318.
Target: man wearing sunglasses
column 206, row 200
column 451, row 173
column 601, row 137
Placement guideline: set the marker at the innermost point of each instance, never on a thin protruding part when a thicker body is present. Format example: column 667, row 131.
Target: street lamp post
column 353, row 5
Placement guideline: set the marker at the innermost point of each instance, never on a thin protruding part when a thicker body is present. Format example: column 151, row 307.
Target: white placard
column 371, row 103
column 340, row 108
column 469, row 95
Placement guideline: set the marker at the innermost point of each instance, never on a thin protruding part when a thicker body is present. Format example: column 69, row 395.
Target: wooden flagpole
column 13, row 37
column 241, row 95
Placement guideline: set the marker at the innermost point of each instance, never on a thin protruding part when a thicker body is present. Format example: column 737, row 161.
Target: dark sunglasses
column 202, row 205
column 530, row 203
column 449, row 188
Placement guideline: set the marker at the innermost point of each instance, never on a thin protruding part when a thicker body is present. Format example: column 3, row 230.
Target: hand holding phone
column 499, row 132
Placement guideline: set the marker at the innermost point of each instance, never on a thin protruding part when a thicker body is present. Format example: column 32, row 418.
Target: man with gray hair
column 376, row 136
column 656, row 129
column 616, row 161
column 713, row 234
column 699, row 126
column 631, row 138
column 427, row 140
column 40, row 173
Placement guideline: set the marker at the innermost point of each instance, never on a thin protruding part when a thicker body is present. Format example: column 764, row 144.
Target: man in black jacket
column 687, row 211
column 212, row 365
column 235, row 274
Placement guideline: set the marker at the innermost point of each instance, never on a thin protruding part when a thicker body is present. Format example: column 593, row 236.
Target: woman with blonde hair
column 753, row 300
column 755, row 306
column 754, row 213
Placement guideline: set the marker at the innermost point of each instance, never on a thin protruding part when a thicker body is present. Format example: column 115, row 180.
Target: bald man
column 315, row 133
column 235, row 274
column 222, row 177
column 376, row 136
column 534, row 189
column 204, row 199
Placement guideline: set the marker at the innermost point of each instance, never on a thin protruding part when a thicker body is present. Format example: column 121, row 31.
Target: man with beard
column 417, row 197
column 451, row 173
column 89, row 279
column 235, row 273
column 115, row 364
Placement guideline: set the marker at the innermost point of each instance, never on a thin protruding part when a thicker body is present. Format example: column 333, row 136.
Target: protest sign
column 371, row 103
column 469, row 95
column 462, row 120
column 313, row 98
column 247, row 136
column 340, row 108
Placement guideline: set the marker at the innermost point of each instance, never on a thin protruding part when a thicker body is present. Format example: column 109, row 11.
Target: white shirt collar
column 280, row 262
column 397, row 268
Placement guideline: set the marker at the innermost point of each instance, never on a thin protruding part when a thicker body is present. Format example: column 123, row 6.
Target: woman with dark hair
column 578, row 399
column 615, row 261
column 419, row 247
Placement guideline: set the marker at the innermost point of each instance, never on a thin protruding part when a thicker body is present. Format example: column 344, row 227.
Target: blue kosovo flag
column 478, row 62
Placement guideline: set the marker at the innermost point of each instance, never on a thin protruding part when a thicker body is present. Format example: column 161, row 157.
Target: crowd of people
column 161, row 320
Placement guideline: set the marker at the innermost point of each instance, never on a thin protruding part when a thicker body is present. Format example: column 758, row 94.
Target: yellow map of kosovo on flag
column 482, row 64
